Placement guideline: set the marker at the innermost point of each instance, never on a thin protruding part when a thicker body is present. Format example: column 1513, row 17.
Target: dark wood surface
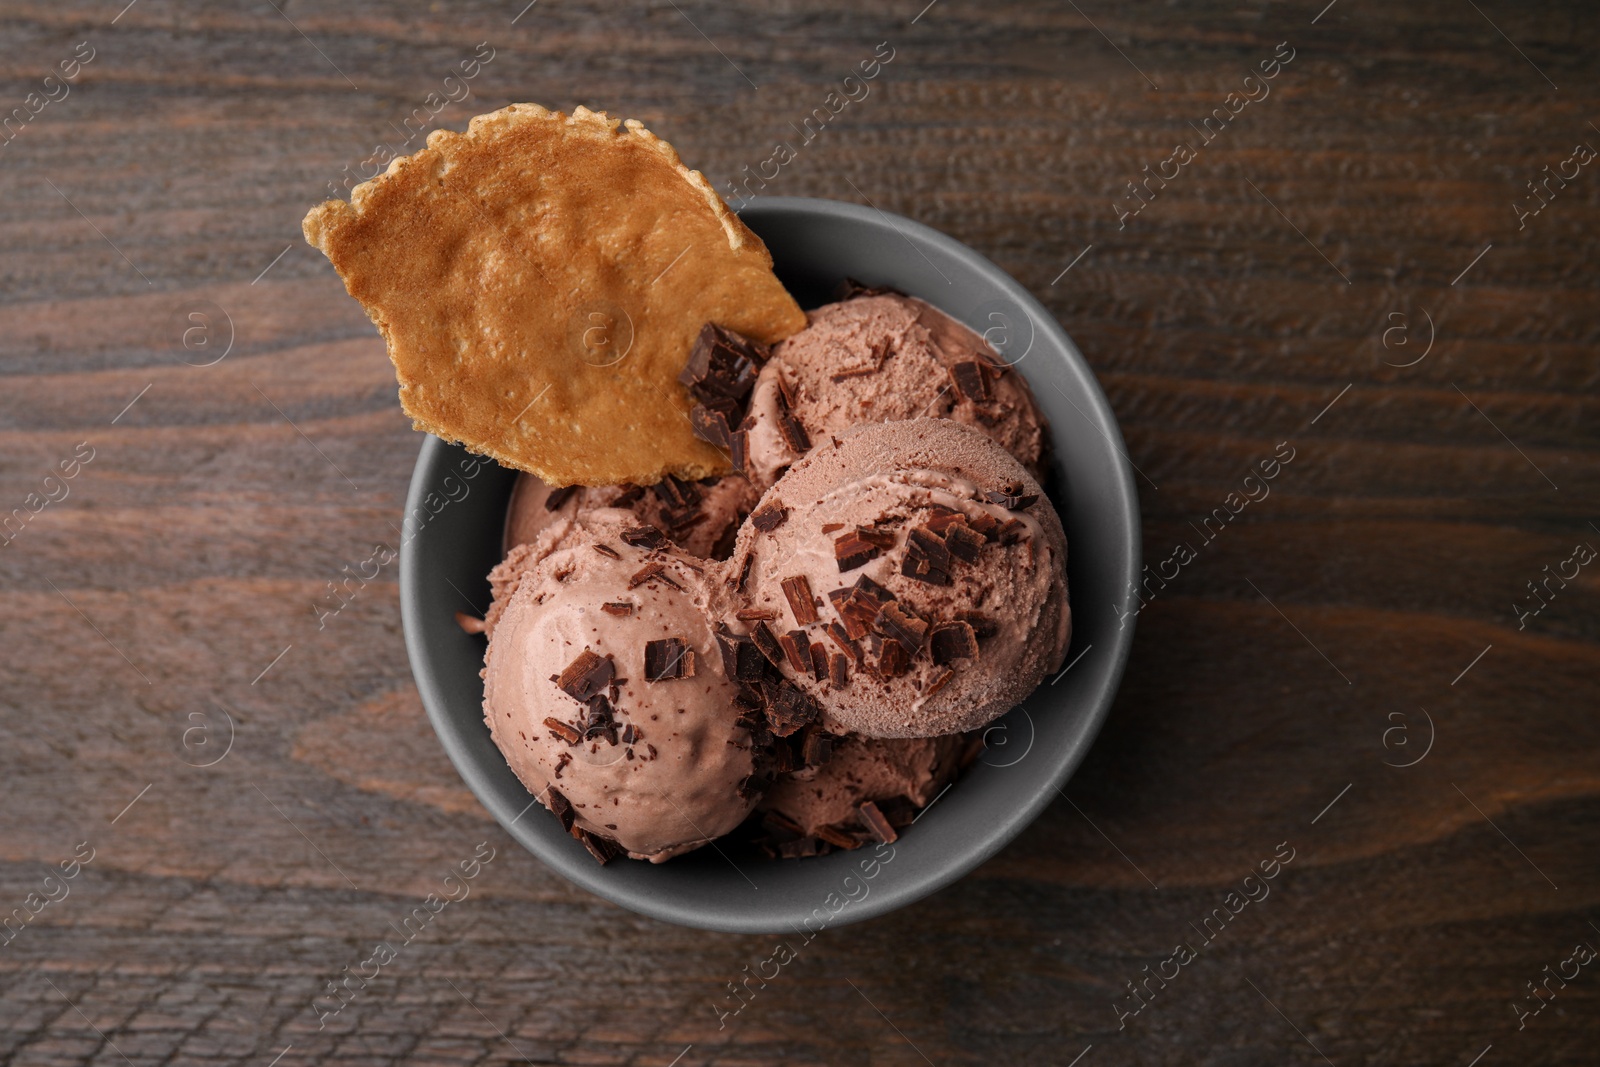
column 1250, row 295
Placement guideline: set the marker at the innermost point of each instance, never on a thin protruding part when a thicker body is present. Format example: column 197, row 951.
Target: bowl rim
column 1007, row 825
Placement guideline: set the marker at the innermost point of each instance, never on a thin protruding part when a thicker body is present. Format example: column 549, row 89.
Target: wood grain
column 1221, row 320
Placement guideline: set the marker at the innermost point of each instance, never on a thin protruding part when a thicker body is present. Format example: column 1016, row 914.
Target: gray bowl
column 454, row 516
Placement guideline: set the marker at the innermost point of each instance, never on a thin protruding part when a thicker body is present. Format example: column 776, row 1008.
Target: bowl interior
column 454, row 517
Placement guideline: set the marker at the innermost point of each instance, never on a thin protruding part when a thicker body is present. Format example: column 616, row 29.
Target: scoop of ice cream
column 604, row 689
column 862, row 769
column 880, row 358
column 700, row 517
column 910, row 578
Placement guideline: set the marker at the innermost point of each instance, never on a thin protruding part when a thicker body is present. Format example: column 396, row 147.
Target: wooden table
column 1341, row 267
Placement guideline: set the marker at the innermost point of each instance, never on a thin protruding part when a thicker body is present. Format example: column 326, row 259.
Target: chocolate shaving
column 1013, row 531
column 629, row 734
column 797, row 649
column 630, row 496
column 939, row 682
column 893, row 661
column 790, row 428
column 902, row 624
column 817, row 748
column 601, row 723
column 942, row 518
column 986, row 525
column 667, row 659
column 829, row 527
column 970, row 381
column 1014, row 499
column 752, row 614
column 741, row 659
column 982, row 626
column 618, row 608
column 558, row 497
column 561, row 761
column 586, row 676
column 564, row 730
column 767, row 642
column 852, row 551
column 713, row 420
column 603, row 849
column 858, row 606
column 739, row 449
column 561, row 808
column 838, row 669
column 790, row 709
column 801, row 848
column 776, row 822
column 752, row 785
column 607, row 550
column 652, row 572
column 835, row 835
column 819, row 661
column 769, row 516
column 798, row 592
column 849, row 289
column 874, row 536
column 927, row 558
column 842, row 638
column 950, row 641
column 876, row 823
column 644, row 537
column 963, row 542
column 853, row 372
column 742, row 582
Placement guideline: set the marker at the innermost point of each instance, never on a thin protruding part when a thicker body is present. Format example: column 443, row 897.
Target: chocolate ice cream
column 910, row 578
column 862, row 769
column 603, row 688
column 878, row 358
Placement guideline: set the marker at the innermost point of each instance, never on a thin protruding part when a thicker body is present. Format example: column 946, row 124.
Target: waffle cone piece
column 539, row 281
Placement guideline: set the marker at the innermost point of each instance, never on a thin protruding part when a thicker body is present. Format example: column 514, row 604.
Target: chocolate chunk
column 849, row 289
column 741, row 659
column 819, row 661
column 644, row 537
column 769, row 516
column 838, row 669
column 561, row 808
column 617, row 608
column 950, row 641
column 853, row 551
column 790, row 709
column 601, row 723
column 939, row 682
column 963, row 542
column 603, row 849
column 722, row 364
column 667, row 659
column 877, row 824
column 893, row 661
column 586, row 676
column 797, row 649
column 817, row 748
column 1012, row 531
column 652, row 572
column 982, row 626
column 713, row 420
column 558, row 497
column 858, row 606
column 841, row 638
column 970, row 381
column 607, row 550
column 564, row 730
column 798, row 592
column 739, row 449
column 767, row 642
column 942, row 518
column 1014, row 499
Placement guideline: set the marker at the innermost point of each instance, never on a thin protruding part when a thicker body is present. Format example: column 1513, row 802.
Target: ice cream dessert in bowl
column 763, row 583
